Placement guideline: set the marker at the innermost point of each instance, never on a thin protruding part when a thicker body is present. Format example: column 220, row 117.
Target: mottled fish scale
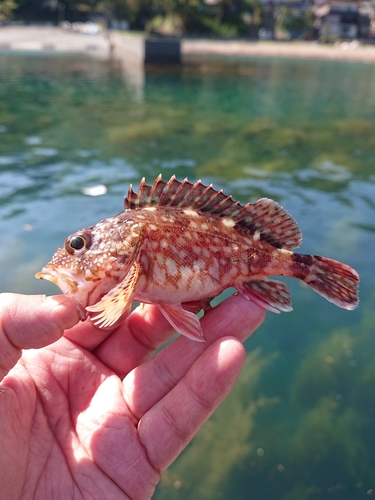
column 181, row 243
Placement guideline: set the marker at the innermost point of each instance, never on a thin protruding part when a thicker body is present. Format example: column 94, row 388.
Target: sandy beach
column 349, row 51
column 53, row 39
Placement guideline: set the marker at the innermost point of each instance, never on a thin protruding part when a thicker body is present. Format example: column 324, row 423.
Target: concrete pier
column 162, row 51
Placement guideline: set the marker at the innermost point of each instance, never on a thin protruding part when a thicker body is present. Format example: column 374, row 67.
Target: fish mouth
column 69, row 284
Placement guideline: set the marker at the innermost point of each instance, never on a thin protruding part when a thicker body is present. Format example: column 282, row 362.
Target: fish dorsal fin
column 265, row 217
column 272, row 223
column 184, row 194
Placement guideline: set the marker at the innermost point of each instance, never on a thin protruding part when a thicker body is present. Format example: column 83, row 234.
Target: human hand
column 87, row 413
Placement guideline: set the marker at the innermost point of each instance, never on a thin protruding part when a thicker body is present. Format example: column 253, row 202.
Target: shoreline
column 57, row 40
column 344, row 51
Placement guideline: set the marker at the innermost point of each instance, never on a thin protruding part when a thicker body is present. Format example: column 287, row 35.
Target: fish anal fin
column 118, row 301
column 270, row 294
column 184, row 322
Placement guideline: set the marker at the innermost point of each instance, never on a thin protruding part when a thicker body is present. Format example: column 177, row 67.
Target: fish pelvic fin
column 183, row 321
column 335, row 281
column 273, row 295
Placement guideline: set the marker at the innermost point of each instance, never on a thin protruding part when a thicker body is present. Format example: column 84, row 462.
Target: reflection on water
column 300, row 424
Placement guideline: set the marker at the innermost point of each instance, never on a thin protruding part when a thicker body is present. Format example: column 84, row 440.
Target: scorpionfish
column 180, row 244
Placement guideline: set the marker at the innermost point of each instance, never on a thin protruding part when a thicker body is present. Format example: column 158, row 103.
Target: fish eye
column 78, row 243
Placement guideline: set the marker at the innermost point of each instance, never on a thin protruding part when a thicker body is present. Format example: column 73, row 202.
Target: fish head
column 93, row 261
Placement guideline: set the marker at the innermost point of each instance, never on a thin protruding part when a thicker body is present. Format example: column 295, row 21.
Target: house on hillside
column 350, row 20
column 326, row 20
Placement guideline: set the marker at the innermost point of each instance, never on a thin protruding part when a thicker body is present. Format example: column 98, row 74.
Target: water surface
column 300, row 423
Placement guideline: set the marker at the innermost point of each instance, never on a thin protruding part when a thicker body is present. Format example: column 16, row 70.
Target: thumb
column 31, row 321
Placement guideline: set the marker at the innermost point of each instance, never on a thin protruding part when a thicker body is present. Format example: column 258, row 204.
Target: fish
column 178, row 245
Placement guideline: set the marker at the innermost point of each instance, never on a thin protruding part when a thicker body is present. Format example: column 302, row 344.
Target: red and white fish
column 178, row 242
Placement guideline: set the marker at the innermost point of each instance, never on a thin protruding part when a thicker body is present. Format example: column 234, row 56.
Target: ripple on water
column 12, row 182
column 326, row 170
column 33, row 140
column 8, row 160
column 45, row 151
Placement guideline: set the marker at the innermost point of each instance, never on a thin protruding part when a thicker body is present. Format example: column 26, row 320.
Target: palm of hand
column 89, row 417
column 80, row 427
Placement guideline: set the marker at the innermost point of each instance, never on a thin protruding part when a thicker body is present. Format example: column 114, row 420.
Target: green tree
column 221, row 17
column 7, row 7
column 288, row 19
column 48, row 10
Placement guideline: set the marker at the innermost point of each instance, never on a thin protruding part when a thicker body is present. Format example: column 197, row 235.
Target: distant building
column 334, row 20
column 350, row 20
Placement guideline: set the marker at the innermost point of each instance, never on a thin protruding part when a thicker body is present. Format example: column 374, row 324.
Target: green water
column 300, row 423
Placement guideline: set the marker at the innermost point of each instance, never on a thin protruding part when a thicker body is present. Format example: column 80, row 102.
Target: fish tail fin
column 334, row 280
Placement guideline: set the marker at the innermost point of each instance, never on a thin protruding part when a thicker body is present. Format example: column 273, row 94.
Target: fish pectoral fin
column 184, row 322
column 270, row 294
column 118, row 301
